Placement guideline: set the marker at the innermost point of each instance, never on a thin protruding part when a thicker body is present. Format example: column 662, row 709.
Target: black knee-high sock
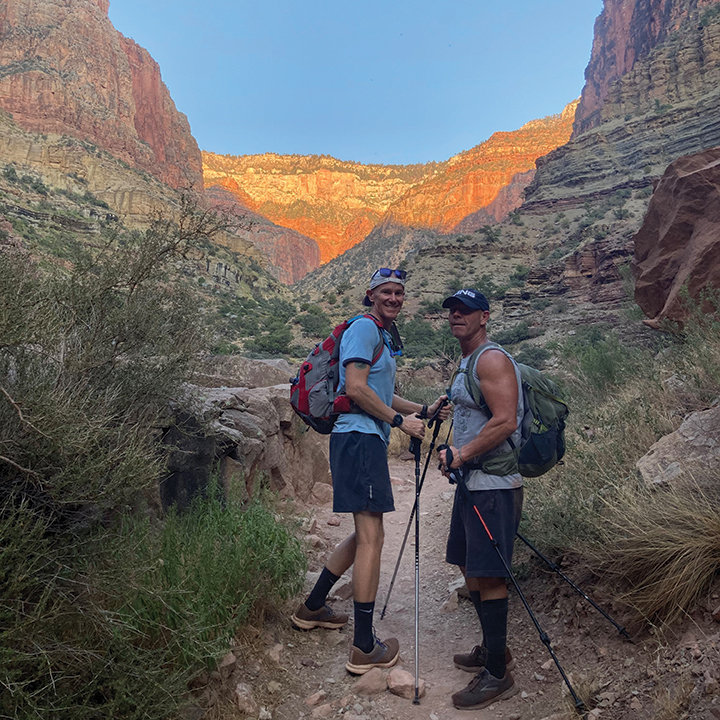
column 477, row 602
column 319, row 593
column 364, row 638
column 494, row 623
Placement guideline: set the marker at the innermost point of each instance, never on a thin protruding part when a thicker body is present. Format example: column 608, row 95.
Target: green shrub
column 421, row 340
column 513, row 335
column 114, row 625
column 91, row 355
column 534, row 355
column 315, row 322
column 492, row 233
column 431, row 306
column 11, row 174
column 274, row 339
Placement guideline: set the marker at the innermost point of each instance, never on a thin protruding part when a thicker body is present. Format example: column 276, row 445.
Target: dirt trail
column 636, row 682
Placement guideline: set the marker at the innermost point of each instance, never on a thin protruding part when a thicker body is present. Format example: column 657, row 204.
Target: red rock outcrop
column 679, row 242
column 626, row 31
column 65, row 69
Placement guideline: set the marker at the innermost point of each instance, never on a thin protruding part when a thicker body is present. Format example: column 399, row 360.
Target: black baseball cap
column 473, row 299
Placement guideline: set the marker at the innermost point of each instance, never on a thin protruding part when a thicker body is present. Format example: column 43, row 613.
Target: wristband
column 460, row 456
column 424, row 412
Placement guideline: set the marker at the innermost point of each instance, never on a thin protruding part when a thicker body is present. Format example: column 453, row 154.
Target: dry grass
column 663, row 545
column 586, row 688
column 671, row 705
column 400, row 442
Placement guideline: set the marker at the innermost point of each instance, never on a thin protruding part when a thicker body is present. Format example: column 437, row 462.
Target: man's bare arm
column 498, row 385
column 358, row 390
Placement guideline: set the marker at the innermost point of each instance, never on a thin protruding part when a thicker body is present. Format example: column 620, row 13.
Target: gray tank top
column 470, row 420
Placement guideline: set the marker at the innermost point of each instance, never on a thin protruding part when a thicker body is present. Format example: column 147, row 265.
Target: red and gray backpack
column 314, row 393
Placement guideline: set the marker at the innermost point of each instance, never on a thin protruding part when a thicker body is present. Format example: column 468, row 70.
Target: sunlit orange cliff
column 338, row 203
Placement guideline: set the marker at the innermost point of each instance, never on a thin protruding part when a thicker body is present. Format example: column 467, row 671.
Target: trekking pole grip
column 436, row 415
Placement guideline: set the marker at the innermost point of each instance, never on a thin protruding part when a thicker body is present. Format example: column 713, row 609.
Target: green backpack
column 542, row 444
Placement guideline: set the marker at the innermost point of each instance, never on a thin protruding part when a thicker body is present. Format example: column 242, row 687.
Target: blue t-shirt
column 359, row 344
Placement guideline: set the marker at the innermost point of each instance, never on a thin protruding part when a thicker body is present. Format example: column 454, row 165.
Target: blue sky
column 389, row 81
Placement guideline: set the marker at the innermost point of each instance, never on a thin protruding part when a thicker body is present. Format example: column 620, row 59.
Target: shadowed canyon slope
column 65, row 69
column 339, row 203
column 652, row 95
column 291, row 254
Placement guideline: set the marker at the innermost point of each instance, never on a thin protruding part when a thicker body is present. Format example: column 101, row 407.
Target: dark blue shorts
column 360, row 475
column 468, row 544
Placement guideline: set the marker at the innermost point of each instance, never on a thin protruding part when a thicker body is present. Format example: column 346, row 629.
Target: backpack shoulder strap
column 381, row 342
column 473, row 387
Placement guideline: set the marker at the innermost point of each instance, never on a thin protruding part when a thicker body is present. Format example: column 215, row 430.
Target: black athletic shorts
column 360, row 475
column 468, row 543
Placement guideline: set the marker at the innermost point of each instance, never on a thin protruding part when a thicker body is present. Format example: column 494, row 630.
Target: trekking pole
column 553, row 566
column 456, row 476
column 415, row 448
column 434, row 420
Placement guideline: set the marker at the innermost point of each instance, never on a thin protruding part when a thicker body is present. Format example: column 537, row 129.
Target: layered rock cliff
column 335, row 202
column 626, row 32
column 652, row 95
column 678, row 244
column 472, row 180
column 65, row 69
column 339, row 203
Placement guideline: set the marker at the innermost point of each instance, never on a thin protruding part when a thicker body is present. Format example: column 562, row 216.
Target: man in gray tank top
column 479, row 434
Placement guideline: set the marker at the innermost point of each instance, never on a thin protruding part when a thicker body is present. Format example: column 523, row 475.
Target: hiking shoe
column 384, row 655
column 485, row 689
column 475, row 660
column 325, row 617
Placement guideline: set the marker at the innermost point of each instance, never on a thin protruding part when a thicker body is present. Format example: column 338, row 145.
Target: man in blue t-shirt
column 358, row 462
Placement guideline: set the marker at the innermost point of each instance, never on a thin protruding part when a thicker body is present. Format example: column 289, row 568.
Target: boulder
column 372, row 682
column 250, row 434
column 678, row 244
column 694, row 449
column 235, row 371
column 400, row 682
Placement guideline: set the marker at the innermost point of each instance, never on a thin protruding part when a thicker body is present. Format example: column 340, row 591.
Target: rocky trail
column 287, row 674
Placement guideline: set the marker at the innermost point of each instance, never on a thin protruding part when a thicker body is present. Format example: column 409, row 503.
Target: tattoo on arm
column 360, row 365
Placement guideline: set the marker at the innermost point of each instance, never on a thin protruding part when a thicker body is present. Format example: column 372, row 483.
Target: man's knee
column 491, row 588
column 369, row 530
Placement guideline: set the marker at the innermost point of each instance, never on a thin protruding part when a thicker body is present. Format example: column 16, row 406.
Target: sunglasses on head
column 387, row 272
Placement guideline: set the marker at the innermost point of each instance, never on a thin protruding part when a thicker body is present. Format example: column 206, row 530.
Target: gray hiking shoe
column 485, row 689
column 475, row 660
column 325, row 617
column 384, row 655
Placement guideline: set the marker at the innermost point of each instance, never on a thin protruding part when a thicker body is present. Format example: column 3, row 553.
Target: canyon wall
column 335, row 202
column 64, row 69
column 652, row 95
column 291, row 255
column 473, row 179
column 626, row 32
column 339, row 203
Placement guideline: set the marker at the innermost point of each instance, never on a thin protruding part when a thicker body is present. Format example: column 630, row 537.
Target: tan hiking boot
column 325, row 617
column 384, row 655
column 485, row 689
column 475, row 660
